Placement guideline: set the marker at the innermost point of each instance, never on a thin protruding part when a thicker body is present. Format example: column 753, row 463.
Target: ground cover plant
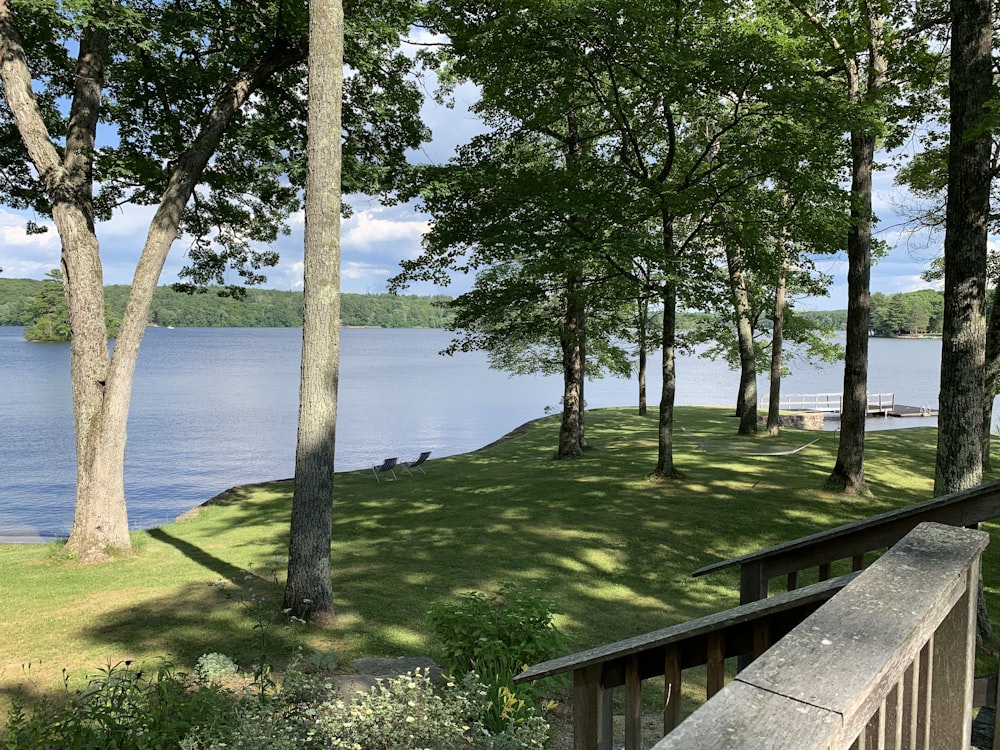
column 610, row 548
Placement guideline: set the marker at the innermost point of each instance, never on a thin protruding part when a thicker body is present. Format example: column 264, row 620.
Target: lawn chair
column 388, row 465
column 415, row 464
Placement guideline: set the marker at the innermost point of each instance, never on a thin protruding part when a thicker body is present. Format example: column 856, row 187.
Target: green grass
column 613, row 548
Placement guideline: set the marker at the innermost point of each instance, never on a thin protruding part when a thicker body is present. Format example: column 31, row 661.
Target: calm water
column 216, row 407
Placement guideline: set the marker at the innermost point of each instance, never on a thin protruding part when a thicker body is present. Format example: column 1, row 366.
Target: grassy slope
column 614, row 549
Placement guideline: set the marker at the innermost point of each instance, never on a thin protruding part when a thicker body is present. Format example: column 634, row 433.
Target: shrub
column 120, row 709
column 214, row 666
column 403, row 713
column 495, row 637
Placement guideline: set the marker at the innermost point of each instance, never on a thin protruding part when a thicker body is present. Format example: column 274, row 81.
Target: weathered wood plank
column 745, row 716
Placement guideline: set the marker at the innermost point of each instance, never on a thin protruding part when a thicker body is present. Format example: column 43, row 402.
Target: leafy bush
column 404, row 713
column 495, row 637
column 120, row 709
column 212, row 667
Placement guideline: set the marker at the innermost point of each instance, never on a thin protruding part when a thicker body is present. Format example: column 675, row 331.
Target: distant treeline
column 262, row 308
column 903, row 314
column 907, row 313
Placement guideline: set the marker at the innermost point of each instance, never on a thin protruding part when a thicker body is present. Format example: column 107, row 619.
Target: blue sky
column 376, row 238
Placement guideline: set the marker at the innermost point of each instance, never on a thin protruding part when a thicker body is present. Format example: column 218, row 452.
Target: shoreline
column 29, row 536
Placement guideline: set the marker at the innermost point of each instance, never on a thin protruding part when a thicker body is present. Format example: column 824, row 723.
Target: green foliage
column 495, row 637
column 48, row 312
column 121, row 708
column 402, row 713
column 215, row 666
column 910, row 313
column 261, row 308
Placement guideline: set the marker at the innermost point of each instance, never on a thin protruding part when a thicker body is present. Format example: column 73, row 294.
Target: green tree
column 48, row 312
column 47, row 309
column 309, row 587
column 199, row 94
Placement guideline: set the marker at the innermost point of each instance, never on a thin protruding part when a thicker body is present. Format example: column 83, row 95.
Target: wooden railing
column 886, row 663
column 750, row 629
column 855, row 543
column 669, row 653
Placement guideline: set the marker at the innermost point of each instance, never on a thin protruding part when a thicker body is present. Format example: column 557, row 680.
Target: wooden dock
column 879, row 405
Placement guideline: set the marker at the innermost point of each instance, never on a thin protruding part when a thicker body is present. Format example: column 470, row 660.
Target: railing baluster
column 880, row 727
column 858, row 562
column 633, row 705
column 924, row 703
column 793, row 580
column 911, row 708
column 591, row 710
column 761, row 638
column 716, row 664
column 824, row 571
column 671, row 689
column 894, row 717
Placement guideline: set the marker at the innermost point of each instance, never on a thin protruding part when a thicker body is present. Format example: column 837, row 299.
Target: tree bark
column 571, row 431
column 665, row 468
column 849, row 472
column 643, row 307
column 963, row 342
column 991, row 375
column 777, row 344
column 746, row 403
column 309, row 586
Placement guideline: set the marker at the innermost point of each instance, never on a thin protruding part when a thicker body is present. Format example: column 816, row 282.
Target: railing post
column 591, row 709
column 753, row 584
column 954, row 654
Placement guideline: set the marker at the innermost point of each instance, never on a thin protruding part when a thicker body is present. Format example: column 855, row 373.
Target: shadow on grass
column 198, row 555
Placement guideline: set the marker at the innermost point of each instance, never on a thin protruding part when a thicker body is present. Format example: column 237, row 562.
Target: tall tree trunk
column 963, row 342
column 777, row 344
column 643, row 318
column 571, row 440
column 849, row 472
column 746, row 403
column 665, row 434
column 991, row 374
column 309, row 586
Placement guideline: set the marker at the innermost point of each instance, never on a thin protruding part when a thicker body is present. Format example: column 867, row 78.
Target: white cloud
column 366, row 229
column 23, row 255
column 13, row 234
column 359, row 271
column 128, row 221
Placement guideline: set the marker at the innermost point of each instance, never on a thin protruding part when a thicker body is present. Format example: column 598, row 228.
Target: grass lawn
column 611, row 547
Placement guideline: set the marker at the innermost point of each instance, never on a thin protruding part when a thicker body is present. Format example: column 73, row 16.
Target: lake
column 217, row 407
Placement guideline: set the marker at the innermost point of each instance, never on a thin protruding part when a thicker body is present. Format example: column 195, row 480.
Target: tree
column 48, row 312
column 507, row 208
column 865, row 82
column 309, row 586
column 963, row 342
column 176, row 81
